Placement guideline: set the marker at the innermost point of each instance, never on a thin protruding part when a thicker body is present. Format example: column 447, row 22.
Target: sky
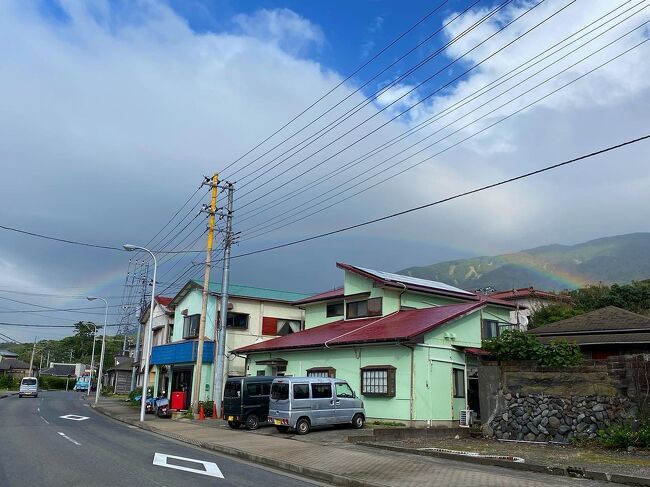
column 113, row 112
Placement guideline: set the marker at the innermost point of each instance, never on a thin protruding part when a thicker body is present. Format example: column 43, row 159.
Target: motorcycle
column 162, row 407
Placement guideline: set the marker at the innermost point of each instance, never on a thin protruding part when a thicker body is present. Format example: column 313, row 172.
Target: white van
column 28, row 387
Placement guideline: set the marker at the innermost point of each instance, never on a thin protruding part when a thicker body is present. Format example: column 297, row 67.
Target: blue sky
column 114, row 110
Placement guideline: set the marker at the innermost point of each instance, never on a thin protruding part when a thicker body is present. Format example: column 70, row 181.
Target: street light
column 101, row 357
column 92, row 359
column 148, row 338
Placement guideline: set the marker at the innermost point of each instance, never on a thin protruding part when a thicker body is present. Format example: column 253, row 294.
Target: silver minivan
column 28, row 387
column 302, row 402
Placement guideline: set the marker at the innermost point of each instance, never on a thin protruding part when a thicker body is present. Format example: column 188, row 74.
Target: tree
column 518, row 345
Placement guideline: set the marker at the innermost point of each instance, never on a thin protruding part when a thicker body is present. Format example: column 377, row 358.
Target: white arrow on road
column 205, row 468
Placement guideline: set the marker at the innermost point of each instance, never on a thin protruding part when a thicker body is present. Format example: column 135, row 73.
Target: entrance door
column 182, row 382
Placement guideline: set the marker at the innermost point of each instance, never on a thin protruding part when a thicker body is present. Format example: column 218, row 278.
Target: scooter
column 162, row 407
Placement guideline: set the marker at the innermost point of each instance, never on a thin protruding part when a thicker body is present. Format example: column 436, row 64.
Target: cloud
column 282, row 27
column 111, row 115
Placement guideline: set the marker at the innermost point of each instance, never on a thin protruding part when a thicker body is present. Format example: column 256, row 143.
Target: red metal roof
column 334, row 293
column 399, row 326
column 164, row 300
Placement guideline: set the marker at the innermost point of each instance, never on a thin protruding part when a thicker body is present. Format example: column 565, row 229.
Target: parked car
column 28, row 387
column 246, row 401
column 303, row 402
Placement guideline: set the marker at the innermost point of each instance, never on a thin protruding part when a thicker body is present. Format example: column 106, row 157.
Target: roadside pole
column 223, row 315
column 31, row 361
column 136, row 359
column 196, row 385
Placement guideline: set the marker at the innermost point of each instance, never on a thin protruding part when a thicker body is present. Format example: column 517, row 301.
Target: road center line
column 46, row 421
column 69, row 439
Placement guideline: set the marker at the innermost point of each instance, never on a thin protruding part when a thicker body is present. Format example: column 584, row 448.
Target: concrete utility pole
column 136, row 359
column 223, row 315
column 48, row 358
column 196, row 389
column 31, row 361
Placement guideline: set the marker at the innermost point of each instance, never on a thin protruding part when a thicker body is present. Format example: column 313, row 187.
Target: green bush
column 9, row 382
column 208, row 406
column 625, row 435
column 517, row 345
column 58, row 383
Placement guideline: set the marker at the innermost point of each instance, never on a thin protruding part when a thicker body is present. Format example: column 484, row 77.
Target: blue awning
column 181, row 352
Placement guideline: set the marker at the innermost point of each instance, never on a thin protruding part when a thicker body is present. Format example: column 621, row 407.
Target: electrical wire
column 377, row 166
column 251, row 213
column 341, row 83
column 447, row 199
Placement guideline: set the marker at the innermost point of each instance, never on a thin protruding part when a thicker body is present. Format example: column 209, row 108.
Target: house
column 64, row 370
column 15, row 368
column 406, row 345
column 7, row 354
column 527, row 300
column 117, row 379
column 162, row 329
column 254, row 314
column 602, row 333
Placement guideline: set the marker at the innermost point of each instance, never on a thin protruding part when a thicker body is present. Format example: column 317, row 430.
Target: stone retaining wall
column 541, row 417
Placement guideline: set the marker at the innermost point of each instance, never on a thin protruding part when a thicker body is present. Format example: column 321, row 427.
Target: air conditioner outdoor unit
column 465, row 418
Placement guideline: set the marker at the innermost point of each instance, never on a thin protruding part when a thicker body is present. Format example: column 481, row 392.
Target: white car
column 28, row 387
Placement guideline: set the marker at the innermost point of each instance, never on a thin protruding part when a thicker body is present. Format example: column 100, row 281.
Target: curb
column 312, row 473
column 575, row 472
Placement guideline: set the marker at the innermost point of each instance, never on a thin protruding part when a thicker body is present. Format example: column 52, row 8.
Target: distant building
column 117, row 379
column 527, row 300
column 64, row 370
column 162, row 329
column 15, row 368
column 602, row 333
column 7, row 354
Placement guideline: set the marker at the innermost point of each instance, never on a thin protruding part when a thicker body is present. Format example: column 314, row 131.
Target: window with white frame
column 459, row 382
column 191, row 326
column 378, row 380
column 321, row 372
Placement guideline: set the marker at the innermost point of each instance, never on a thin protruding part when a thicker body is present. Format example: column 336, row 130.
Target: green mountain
column 620, row 259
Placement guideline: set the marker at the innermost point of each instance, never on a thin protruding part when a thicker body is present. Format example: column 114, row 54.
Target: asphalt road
column 39, row 448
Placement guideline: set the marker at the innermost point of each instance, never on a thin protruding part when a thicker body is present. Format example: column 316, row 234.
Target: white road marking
column 46, row 421
column 38, row 409
column 211, row 468
column 69, row 439
column 74, row 417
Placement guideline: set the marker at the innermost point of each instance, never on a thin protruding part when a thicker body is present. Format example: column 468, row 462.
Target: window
column 261, row 372
column 378, row 380
column 237, row 320
column 232, row 389
column 335, row 309
column 279, row 326
column 459, row 382
column 321, row 391
column 301, row 391
column 321, row 372
column 343, row 390
column 258, row 388
column 361, row 309
column 170, row 332
column 287, row 327
column 280, row 391
column 191, row 326
column 490, row 329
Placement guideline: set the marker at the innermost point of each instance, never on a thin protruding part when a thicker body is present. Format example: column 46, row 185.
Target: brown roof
column 601, row 338
column 604, row 320
column 524, row 292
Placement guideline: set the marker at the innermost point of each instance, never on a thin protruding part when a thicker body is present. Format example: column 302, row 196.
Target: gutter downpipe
column 412, row 385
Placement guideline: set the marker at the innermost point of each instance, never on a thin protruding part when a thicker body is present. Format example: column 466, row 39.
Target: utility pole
column 31, row 361
column 71, row 355
column 136, row 359
column 48, row 358
column 223, row 315
column 196, row 389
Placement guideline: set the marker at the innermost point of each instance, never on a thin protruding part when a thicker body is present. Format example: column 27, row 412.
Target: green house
column 407, row 346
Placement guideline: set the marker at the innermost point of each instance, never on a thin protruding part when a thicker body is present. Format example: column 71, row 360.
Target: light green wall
column 433, row 361
column 316, row 314
column 355, row 284
column 192, row 303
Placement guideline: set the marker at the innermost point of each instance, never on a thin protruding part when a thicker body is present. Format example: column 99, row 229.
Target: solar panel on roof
column 389, row 276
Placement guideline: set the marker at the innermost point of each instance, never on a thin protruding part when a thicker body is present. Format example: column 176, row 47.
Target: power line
column 341, row 83
column 420, row 101
column 439, row 115
column 462, row 128
column 62, row 240
column 30, row 325
column 450, row 198
column 347, row 115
